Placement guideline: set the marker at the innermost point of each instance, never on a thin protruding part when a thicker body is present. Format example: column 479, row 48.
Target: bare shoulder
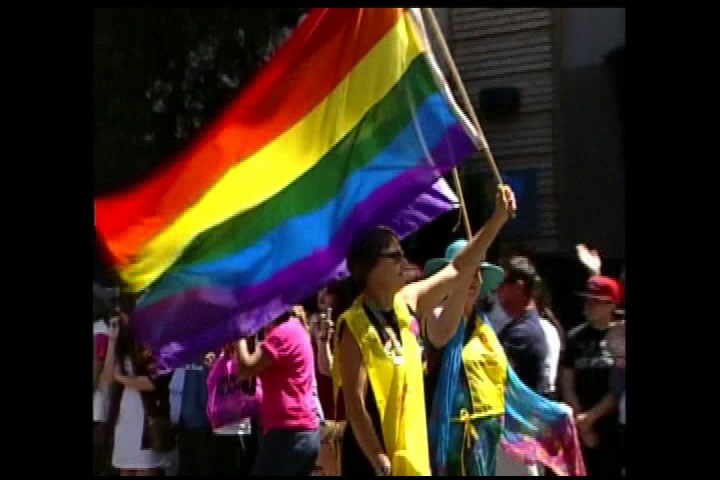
column 411, row 292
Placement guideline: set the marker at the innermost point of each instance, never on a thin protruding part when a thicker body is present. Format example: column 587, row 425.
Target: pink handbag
column 230, row 399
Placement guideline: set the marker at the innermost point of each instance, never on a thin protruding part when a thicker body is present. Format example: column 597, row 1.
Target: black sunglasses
column 397, row 255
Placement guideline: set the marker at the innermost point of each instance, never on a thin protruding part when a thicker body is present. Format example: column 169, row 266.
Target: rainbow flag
column 350, row 125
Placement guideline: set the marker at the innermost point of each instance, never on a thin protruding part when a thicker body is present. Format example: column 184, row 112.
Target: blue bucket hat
column 492, row 275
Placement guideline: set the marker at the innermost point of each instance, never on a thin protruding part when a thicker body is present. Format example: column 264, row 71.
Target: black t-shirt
column 587, row 353
column 524, row 342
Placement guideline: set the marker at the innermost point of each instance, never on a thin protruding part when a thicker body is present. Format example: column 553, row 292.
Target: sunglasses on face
column 396, row 256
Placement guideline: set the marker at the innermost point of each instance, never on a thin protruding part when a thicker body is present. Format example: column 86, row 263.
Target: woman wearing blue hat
column 475, row 399
column 466, row 379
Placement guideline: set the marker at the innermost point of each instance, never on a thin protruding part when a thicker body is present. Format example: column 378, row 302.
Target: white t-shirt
column 100, row 395
column 550, row 364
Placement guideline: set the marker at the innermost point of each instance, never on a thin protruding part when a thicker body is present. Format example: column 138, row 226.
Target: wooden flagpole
column 480, row 141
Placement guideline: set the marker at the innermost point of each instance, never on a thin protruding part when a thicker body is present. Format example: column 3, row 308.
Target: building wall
column 592, row 160
column 567, row 132
column 514, row 47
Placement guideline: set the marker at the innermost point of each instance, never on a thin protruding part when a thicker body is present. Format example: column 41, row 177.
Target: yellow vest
column 397, row 386
column 485, row 366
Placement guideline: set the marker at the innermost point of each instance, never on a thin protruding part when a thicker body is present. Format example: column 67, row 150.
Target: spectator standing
column 523, row 338
column 234, row 446
column 587, row 363
column 285, row 365
column 554, row 335
column 194, row 432
column 140, row 391
column 105, row 340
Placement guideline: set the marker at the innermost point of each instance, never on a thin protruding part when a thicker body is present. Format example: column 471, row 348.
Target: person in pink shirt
column 285, row 365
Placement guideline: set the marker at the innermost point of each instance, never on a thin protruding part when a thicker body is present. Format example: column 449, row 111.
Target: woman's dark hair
column 364, row 253
column 127, row 346
column 344, row 292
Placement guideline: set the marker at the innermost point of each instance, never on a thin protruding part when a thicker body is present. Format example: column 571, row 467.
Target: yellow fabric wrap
column 398, row 388
column 485, row 366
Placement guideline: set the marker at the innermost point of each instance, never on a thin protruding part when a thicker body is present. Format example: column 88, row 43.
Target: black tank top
column 353, row 460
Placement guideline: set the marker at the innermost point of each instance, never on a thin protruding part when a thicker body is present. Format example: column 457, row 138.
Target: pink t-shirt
column 288, row 400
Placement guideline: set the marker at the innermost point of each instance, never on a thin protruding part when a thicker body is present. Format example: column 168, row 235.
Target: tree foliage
column 159, row 74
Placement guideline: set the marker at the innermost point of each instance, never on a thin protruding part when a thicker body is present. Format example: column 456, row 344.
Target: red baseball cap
column 602, row 288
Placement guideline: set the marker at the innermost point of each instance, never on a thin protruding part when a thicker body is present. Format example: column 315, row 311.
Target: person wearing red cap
column 586, row 367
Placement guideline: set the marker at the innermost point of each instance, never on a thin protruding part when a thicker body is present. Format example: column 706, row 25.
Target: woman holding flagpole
column 475, row 398
column 465, row 381
column 377, row 360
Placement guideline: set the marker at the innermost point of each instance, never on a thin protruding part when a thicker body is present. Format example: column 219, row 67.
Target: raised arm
column 589, row 258
column 251, row 364
column 425, row 295
column 441, row 329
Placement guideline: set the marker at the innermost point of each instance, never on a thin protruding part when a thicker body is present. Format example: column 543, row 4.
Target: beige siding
column 496, row 47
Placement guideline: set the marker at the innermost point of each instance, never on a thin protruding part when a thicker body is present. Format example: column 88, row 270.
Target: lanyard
column 393, row 349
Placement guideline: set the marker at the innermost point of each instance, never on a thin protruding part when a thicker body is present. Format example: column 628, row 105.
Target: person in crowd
column 523, row 338
column 554, row 337
column 194, row 435
column 105, row 332
column 331, row 301
column 524, row 342
column 471, row 394
column 234, row 446
column 586, row 367
column 285, row 365
column 377, row 364
column 476, row 398
column 142, row 395
column 600, row 346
